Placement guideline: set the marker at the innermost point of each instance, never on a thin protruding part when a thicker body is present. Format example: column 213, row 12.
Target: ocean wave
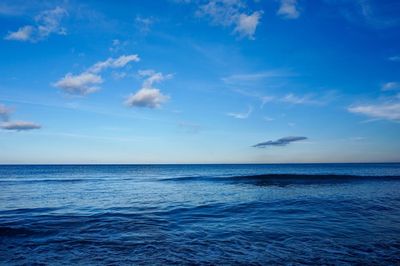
column 283, row 179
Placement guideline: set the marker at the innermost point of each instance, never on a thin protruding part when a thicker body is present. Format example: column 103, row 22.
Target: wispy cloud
column 288, row 9
column 144, row 23
column 376, row 14
column 87, row 82
column 231, row 13
column 256, row 76
column 46, row 23
column 119, row 62
column 391, row 86
column 189, row 127
column 148, row 96
column 241, row 115
column 19, row 125
column 395, row 58
column 307, row 99
column 385, row 111
column 279, row 142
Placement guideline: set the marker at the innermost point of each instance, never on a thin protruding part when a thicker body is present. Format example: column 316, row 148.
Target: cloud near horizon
column 46, row 23
column 279, row 142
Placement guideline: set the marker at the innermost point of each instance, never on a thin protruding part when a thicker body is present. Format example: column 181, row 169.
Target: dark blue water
column 337, row 214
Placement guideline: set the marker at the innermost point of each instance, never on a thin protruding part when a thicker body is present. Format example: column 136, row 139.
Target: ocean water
column 291, row 214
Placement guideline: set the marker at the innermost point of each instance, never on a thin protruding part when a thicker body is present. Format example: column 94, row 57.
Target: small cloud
column 4, row 112
column 144, row 24
column 46, row 23
column 19, row 126
column 268, row 119
column 231, row 13
column 306, row 99
column 391, row 86
column 152, row 77
column 22, row 34
column 85, row 83
column 387, row 111
column 241, row 115
column 254, row 77
column 395, row 58
column 247, row 24
column 148, row 96
column 117, row 45
column 119, row 62
column 288, row 9
column 81, row 84
column 280, row 142
column 189, row 127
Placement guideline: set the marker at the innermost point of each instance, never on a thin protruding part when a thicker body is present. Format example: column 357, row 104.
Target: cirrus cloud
column 279, row 142
column 387, row 110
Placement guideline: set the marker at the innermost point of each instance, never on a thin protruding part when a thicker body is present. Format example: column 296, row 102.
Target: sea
column 228, row 214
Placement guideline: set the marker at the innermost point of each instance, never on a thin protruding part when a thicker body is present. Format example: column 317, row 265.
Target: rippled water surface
column 338, row 214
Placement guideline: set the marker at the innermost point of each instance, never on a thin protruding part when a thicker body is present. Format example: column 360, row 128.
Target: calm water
column 203, row 214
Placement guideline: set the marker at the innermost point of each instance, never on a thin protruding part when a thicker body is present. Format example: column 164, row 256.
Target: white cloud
column 46, row 23
column 22, row 34
column 229, row 13
column 148, row 96
column 19, row 125
column 247, row 24
column 306, row 99
column 257, row 76
column 4, row 112
column 288, row 9
column 119, row 62
column 152, row 77
column 387, row 111
column 391, row 86
column 241, row 115
column 81, row 84
column 143, row 24
column 85, row 83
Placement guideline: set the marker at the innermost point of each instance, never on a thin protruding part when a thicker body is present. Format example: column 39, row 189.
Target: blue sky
column 207, row 81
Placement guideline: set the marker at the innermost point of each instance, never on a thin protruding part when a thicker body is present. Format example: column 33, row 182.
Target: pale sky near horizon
column 199, row 81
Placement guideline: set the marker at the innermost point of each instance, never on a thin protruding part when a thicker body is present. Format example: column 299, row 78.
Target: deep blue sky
column 213, row 81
